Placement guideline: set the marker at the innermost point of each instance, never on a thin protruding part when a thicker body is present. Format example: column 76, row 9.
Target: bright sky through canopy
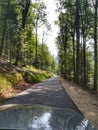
column 52, row 16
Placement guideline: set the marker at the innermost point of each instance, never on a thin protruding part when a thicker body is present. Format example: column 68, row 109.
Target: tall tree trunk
column 4, row 31
column 17, row 55
column 77, row 41
column 65, row 48
column 84, row 33
column 24, row 12
column 36, row 58
column 10, row 54
column 2, row 40
column 95, row 48
column 81, row 65
column 84, row 62
column 42, row 50
column 74, row 57
column 18, row 58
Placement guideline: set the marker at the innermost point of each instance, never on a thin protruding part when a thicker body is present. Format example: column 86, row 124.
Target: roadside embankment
column 14, row 79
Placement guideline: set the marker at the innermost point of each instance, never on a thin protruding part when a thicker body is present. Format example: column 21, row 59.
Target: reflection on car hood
column 43, row 118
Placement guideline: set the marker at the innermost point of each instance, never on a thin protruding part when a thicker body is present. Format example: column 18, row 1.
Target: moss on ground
column 35, row 77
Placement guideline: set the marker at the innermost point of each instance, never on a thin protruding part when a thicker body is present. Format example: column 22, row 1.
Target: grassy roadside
column 14, row 80
column 32, row 75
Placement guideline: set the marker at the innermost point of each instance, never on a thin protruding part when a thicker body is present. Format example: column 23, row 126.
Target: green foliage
column 9, row 80
column 18, row 45
column 4, row 83
column 76, row 22
column 13, row 78
column 33, row 75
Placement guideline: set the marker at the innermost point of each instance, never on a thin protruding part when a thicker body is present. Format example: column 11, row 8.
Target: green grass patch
column 5, row 84
column 35, row 77
column 14, row 78
column 9, row 80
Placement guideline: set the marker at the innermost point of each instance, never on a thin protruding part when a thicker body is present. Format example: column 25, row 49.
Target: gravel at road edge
column 85, row 101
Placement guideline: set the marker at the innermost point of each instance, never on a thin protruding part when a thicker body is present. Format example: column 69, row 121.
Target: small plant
column 5, row 84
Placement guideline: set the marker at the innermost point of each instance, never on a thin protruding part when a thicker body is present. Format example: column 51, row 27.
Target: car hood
column 42, row 118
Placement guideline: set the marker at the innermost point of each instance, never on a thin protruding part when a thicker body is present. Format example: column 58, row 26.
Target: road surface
column 49, row 92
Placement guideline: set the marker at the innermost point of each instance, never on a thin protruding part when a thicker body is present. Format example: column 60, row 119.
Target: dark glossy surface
column 43, row 118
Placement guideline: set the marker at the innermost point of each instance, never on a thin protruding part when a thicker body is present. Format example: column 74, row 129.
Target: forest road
column 49, row 93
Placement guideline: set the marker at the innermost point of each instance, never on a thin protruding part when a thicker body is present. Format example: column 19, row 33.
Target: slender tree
column 96, row 47
column 4, row 25
column 40, row 18
column 77, row 26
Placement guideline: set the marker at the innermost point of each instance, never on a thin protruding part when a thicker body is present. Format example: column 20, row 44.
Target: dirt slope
column 86, row 101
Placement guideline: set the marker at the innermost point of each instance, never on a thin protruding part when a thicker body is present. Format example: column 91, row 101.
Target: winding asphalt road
column 49, row 92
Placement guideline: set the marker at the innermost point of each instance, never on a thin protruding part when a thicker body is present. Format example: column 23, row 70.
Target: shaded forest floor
column 86, row 101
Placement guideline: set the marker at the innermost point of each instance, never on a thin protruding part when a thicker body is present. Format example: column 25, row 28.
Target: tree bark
column 36, row 58
column 95, row 48
column 77, row 41
column 4, row 31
